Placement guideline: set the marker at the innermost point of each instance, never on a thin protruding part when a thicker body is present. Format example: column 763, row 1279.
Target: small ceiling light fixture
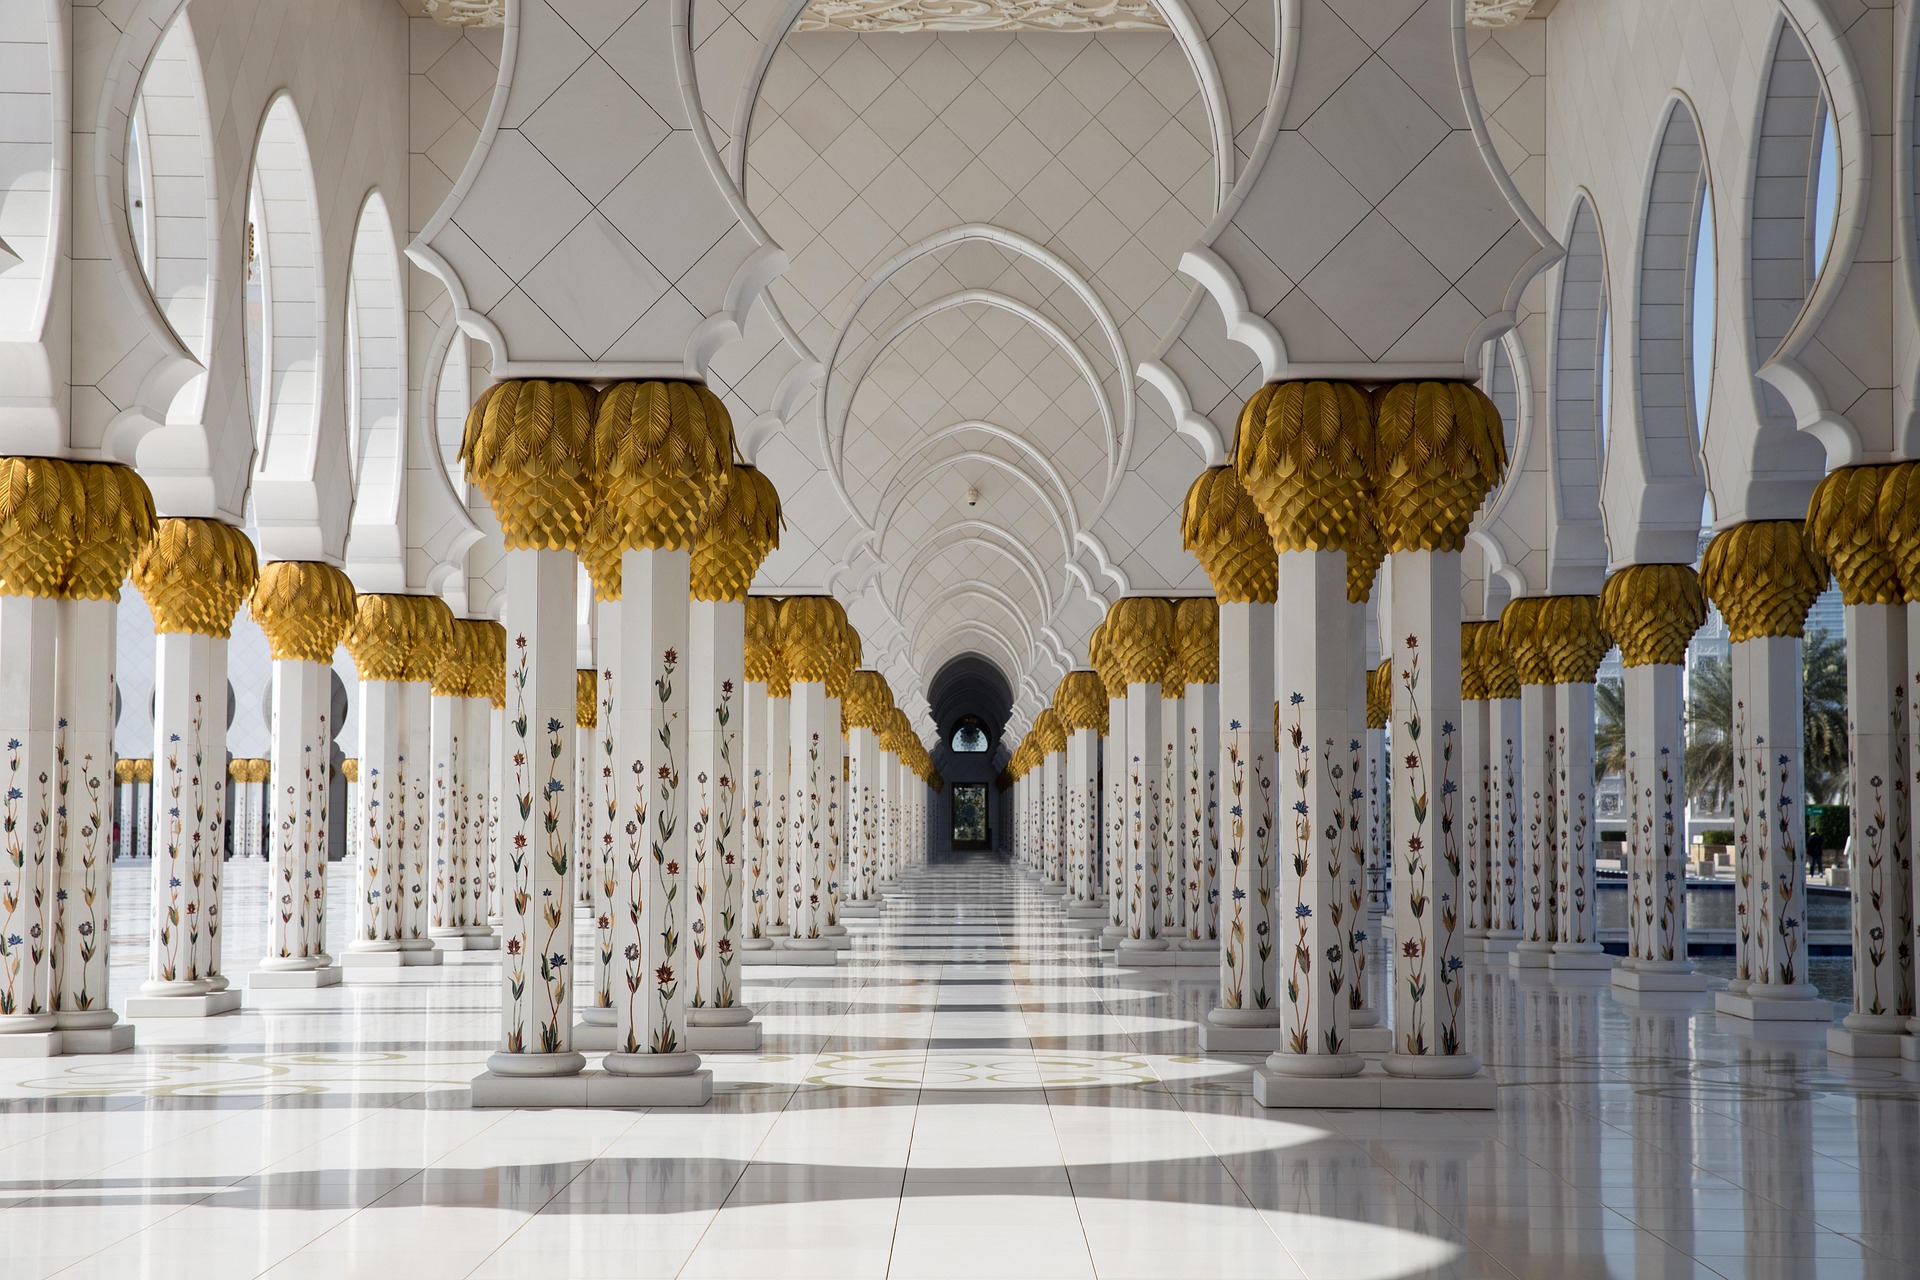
column 973, row 496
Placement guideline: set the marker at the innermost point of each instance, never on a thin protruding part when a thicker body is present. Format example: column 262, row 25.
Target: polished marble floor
column 972, row 1094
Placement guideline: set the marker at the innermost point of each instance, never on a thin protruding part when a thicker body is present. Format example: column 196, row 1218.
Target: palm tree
column 1609, row 729
column 1824, row 705
column 1709, row 734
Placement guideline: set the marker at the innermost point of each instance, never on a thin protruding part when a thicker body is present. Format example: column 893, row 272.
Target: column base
column 117, row 1038
column 1374, row 1090
column 294, row 979
column 1530, row 955
column 743, row 1037
column 1157, row 955
column 32, row 1044
column 390, row 959
column 1867, row 1044
column 1910, row 1049
column 464, row 942
column 210, row 1005
column 591, row 1089
column 1755, row 1005
column 1625, row 979
column 1500, row 944
column 859, row 910
column 1579, row 955
column 755, row 944
column 1092, row 912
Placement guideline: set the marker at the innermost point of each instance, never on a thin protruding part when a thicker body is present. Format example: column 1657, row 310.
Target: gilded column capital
column 586, row 698
column 1575, row 641
column 1473, row 681
column 350, row 768
column 1105, row 665
column 1081, row 700
column 116, row 521
column 1763, row 576
column 40, row 517
column 1843, row 523
column 739, row 533
column 765, row 662
column 1492, row 663
column 1304, row 452
column 869, row 702
column 1379, row 696
column 459, row 673
column 1896, row 520
column 304, row 607
column 1521, row 626
column 490, row 660
column 1364, row 559
column 195, row 575
column 661, row 452
column 1439, row 449
column 1049, row 733
column 1222, row 525
column 528, row 449
column 811, row 638
column 398, row 637
column 1196, row 628
column 1652, row 611
column 1140, row 638
column 850, row 655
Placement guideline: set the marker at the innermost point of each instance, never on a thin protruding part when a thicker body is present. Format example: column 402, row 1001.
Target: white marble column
column 1173, row 802
column 779, row 739
column 1656, row 712
column 1313, row 772
column 537, row 875
column 1577, row 944
column 757, row 804
column 1520, row 627
column 716, row 1019
column 1247, row 1015
column 1764, row 577
column 194, row 575
column 29, row 709
column 83, row 871
column 1113, row 827
column 1197, row 622
column 1476, row 861
column 1504, row 746
column 305, row 609
column 1140, row 636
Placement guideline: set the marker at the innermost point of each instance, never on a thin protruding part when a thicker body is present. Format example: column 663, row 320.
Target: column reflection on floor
column 974, row 1092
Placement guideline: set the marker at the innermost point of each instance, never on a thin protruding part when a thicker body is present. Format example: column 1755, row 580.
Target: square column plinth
column 1374, row 1090
column 591, row 1089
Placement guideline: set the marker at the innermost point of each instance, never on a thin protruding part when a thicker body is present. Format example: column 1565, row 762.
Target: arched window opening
column 1826, row 193
column 255, row 293
column 1602, row 381
column 452, row 398
column 286, row 246
column 1580, row 367
column 1702, row 314
column 140, row 210
column 970, row 736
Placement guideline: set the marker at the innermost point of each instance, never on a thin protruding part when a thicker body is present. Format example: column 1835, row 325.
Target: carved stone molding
column 977, row 15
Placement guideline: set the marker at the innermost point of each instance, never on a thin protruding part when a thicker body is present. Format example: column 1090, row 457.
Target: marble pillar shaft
column 863, row 814
column 652, row 753
column 1113, row 829
column 190, row 775
column 1083, row 802
column 537, row 872
column 379, row 923
column 29, row 638
column 1424, row 723
column 1145, row 748
column 83, row 856
column 1314, row 773
column 1246, row 800
column 416, row 781
column 298, row 820
column 833, row 769
column 1476, row 863
column 1052, row 818
column 1503, row 816
column 1655, row 703
column 1881, row 856
column 1359, row 819
column 1576, row 930
column 716, row 663
column 1173, row 898
column 779, row 740
column 807, row 815
column 1539, row 921
column 753, row 732
column 1200, row 781
column 448, row 720
column 1768, row 722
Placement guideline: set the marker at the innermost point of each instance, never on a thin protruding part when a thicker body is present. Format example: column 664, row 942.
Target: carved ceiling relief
column 866, row 16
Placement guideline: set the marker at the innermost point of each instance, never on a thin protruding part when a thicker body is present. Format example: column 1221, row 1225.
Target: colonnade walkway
column 973, row 1092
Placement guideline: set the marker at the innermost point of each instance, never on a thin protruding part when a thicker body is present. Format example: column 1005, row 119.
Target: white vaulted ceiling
column 983, row 233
